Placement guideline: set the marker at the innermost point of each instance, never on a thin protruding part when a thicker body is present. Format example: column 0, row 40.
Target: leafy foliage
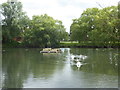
column 44, row 31
column 97, row 25
column 41, row 31
column 13, row 14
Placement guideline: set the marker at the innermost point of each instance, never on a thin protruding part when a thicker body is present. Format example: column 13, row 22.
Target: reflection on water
column 30, row 69
column 100, row 60
column 0, row 67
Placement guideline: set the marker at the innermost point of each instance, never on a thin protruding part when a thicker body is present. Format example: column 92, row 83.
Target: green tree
column 44, row 31
column 83, row 25
column 12, row 13
column 97, row 25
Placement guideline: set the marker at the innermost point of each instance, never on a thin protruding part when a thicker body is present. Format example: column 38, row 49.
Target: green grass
column 70, row 44
column 88, row 44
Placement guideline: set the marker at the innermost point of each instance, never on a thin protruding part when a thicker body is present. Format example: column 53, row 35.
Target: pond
column 28, row 68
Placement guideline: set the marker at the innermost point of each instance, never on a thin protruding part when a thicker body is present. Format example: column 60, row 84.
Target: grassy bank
column 67, row 44
column 90, row 44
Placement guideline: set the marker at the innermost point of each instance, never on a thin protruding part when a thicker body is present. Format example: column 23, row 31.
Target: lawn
column 88, row 44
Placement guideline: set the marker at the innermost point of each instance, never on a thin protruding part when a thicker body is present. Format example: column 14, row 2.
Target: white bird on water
column 78, row 64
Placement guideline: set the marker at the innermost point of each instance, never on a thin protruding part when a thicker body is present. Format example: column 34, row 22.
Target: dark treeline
column 95, row 27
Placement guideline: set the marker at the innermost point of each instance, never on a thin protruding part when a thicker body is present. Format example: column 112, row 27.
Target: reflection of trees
column 44, row 65
column 78, row 51
column 0, row 67
column 99, row 60
column 19, row 63
column 15, row 68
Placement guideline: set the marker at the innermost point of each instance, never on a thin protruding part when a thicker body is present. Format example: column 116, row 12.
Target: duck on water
column 77, row 60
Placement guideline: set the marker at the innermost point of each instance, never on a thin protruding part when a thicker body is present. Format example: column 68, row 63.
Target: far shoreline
column 62, row 47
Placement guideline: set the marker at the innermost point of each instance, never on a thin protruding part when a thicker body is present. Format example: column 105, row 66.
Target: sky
column 64, row 10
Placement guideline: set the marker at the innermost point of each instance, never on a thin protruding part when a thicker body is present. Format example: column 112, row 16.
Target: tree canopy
column 94, row 25
column 12, row 13
column 40, row 31
column 44, row 31
column 97, row 25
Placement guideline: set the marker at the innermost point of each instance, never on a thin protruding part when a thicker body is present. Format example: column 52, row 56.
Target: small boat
column 50, row 50
column 45, row 50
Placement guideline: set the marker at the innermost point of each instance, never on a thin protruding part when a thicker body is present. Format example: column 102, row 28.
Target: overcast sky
column 64, row 10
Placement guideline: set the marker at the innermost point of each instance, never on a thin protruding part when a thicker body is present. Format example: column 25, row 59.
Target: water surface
column 27, row 68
